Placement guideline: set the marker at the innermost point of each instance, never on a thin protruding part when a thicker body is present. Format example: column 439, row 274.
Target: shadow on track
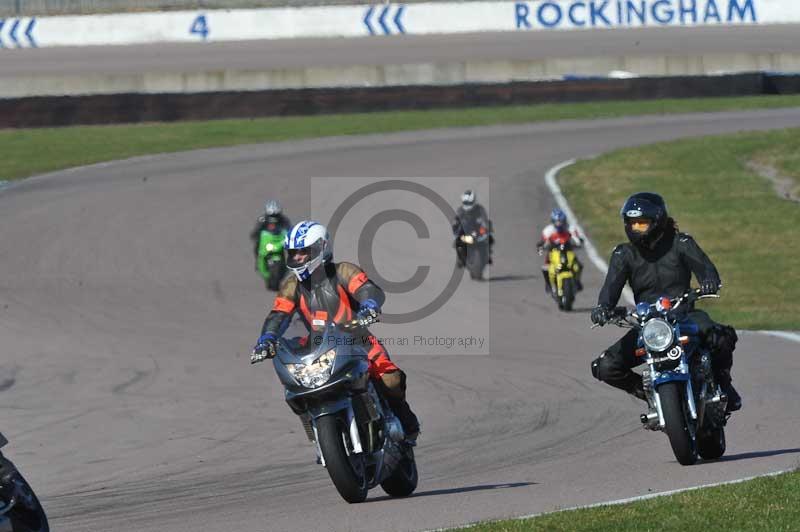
column 753, row 454
column 502, row 278
column 463, row 489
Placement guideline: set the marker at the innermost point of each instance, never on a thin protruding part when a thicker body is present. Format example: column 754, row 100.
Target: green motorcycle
column 270, row 260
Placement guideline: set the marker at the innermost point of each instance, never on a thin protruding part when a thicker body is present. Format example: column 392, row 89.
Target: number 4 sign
column 200, row 27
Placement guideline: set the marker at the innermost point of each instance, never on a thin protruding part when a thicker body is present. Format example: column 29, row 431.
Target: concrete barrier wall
column 447, row 73
column 131, row 108
column 387, row 19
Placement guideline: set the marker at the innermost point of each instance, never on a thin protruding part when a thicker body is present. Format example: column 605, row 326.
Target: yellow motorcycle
column 564, row 270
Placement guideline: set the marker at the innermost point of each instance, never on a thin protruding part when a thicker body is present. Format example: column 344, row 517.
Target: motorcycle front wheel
column 568, row 294
column 475, row 261
column 346, row 471
column 673, row 404
column 275, row 275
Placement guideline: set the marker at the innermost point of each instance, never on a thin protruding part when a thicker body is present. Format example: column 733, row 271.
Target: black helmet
column 646, row 205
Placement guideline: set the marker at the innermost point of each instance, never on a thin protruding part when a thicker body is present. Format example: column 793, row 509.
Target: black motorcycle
column 20, row 510
column 684, row 401
column 358, row 438
column 473, row 246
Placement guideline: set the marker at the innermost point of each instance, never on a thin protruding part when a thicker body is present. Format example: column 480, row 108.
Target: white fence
column 387, row 19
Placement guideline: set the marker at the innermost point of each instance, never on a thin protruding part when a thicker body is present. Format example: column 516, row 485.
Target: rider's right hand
column 600, row 315
column 266, row 347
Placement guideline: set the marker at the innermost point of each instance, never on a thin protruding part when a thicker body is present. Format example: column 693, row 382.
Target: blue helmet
column 307, row 247
column 558, row 218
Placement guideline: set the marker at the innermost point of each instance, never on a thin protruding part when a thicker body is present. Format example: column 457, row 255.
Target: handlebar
column 620, row 315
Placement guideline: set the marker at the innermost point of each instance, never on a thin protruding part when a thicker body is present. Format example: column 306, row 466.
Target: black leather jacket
column 665, row 270
column 470, row 217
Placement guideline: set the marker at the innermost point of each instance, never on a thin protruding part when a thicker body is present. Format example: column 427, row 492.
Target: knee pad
column 598, row 367
column 394, row 383
column 723, row 338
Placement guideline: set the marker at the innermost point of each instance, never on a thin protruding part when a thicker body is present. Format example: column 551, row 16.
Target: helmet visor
column 297, row 258
column 639, row 225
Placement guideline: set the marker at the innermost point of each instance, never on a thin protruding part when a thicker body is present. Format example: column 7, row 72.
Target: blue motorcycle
column 684, row 401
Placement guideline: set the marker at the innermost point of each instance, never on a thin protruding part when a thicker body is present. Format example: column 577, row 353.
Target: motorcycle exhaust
column 649, row 420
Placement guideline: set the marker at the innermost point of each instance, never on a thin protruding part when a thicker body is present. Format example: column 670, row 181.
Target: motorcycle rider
column 467, row 214
column 556, row 232
column 321, row 288
column 273, row 220
column 659, row 260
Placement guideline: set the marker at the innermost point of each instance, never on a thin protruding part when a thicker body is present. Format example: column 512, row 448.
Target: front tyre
column 346, row 472
column 475, row 262
column 275, row 275
column 403, row 481
column 711, row 445
column 676, row 419
column 568, row 294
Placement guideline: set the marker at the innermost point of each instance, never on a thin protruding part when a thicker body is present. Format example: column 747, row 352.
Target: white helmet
column 307, row 246
column 468, row 199
column 272, row 208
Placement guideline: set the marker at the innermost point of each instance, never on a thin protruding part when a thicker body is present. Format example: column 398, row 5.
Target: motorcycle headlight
column 468, row 239
column 270, row 246
column 657, row 335
column 315, row 374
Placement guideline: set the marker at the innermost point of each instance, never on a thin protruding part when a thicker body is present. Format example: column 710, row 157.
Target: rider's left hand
column 367, row 314
column 708, row 288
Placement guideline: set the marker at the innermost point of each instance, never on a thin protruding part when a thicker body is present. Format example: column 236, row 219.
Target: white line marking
column 591, row 250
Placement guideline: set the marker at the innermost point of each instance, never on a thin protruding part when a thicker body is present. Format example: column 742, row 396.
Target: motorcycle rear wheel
column 350, row 483
column 677, row 422
column 711, row 445
column 403, row 481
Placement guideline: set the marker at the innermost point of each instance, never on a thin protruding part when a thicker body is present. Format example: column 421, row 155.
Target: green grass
column 735, row 215
column 767, row 504
column 25, row 152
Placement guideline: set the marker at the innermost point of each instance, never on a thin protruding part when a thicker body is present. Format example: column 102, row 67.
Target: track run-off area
column 128, row 306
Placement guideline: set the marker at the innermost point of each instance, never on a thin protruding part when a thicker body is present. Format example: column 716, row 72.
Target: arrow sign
column 13, row 33
column 397, row 17
column 384, row 19
column 14, row 26
column 366, row 20
column 29, row 33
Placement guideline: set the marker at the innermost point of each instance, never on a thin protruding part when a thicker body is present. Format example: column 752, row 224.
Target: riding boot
column 723, row 378
column 406, row 417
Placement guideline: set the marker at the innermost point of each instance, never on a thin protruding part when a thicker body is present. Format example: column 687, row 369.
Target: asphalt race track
column 295, row 53
column 128, row 305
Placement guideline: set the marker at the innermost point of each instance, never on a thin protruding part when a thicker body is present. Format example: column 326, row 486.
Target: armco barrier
column 132, row 108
